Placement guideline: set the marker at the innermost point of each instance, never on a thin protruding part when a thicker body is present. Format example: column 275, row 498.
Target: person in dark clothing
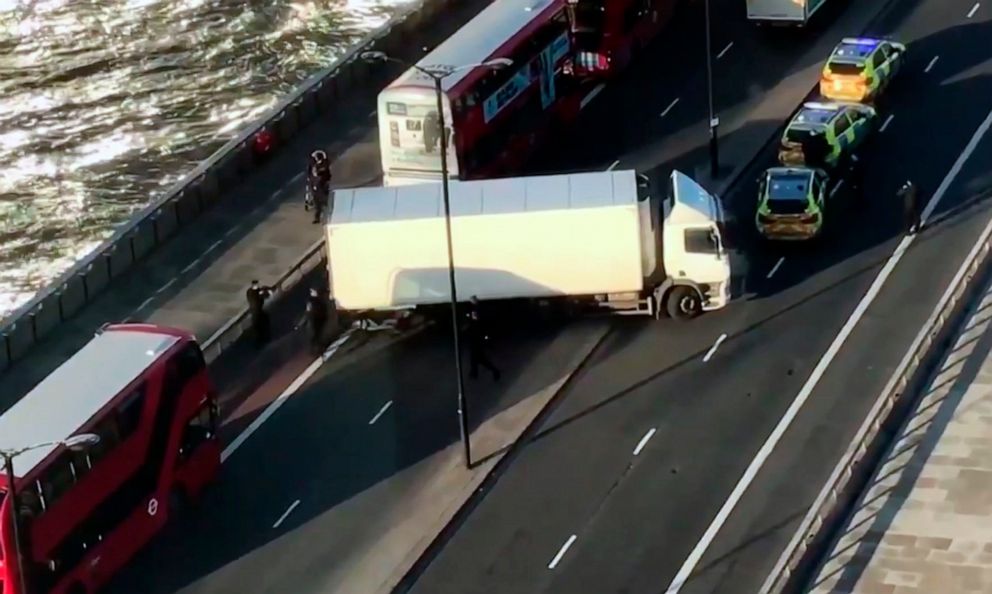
column 912, row 211
column 816, row 149
column 257, row 295
column 432, row 131
column 316, row 320
column 856, row 175
column 475, row 333
column 318, row 183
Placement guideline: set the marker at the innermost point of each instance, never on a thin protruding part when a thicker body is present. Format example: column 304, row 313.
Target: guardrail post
column 86, row 285
column 110, row 267
column 6, row 345
column 34, row 326
column 61, row 307
column 130, row 241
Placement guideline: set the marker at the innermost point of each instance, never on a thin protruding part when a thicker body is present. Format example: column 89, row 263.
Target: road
column 579, row 511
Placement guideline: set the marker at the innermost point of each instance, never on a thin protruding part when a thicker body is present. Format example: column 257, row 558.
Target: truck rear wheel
column 683, row 303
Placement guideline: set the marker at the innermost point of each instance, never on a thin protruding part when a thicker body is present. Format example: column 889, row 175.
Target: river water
column 106, row 103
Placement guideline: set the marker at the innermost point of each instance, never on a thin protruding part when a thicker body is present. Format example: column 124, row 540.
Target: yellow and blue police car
column 860, row 68
column 791, row 203
column 843, row 127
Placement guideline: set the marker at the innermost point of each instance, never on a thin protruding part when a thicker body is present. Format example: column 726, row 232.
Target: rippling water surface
column 105, row 103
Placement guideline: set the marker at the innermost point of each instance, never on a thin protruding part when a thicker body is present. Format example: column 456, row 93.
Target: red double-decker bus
column 606, row 34
column 494, row 119
column 81, row 515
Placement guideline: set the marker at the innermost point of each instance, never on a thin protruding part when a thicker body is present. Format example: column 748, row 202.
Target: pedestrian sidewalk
column 924, row 525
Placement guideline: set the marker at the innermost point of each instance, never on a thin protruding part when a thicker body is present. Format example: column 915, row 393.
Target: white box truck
column 603, row 239
column 782, row 12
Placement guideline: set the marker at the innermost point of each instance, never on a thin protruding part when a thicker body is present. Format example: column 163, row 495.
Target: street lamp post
column 76, row 443
column 438, row 74
column 714, row 120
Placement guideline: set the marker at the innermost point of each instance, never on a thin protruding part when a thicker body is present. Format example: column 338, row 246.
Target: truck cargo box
column 534, row 237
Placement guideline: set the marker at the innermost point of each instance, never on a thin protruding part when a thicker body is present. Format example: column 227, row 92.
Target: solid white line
column 725, row 50
column 644, row 441
column 592, row 95
column 381, row 412
column 189, row 266
column 670, row 106
column 974, row 9
column 932, row 62
column 285, row 514
column 766, row 449
column 166, row 285
column 837, row 188
column 886, row 123
column 615, row 163
column 713, row 348
column 775, row 268
column 278, row 402
column 561, row 552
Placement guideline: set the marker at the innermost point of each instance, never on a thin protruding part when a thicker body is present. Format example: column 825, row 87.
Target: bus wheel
column 683, row 303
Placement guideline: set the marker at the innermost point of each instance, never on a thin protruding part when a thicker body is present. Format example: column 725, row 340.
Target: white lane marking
column 886, row 123
column 372, row 113
column 775, row 268
column 766, row 449
column 837, row 188
column 561, row 552
column 670, row 106
column 713, row 348
column 285, row 514
column 213, row 246
column 644, row 441
column 615, row 163
column 189, row 266
column 143, row 305
column 592, row 95
column 166, row 285
column 930, row 65
column 381, row 412
column 278, row 402
column 725, row 50
column 973, row 10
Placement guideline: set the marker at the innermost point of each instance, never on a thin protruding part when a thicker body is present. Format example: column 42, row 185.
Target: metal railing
column 235, row 328
column 198, row 191
column 801, row 557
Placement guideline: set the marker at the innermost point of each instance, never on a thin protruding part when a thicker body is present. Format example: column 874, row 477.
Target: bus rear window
column 846, row 68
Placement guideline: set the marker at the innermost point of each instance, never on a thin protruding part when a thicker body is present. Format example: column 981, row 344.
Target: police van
column 782, row 12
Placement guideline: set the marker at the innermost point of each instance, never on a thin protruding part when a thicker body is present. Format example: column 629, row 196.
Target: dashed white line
column 189, row 266
column 592, row 95
column 775, row 268
column 837, row 188
column 973, row 10
column 886, row 123
column 285, row 514
column 143, row 305
column 716, row 345
column 561, row 552
column 278, row 402
column 213, row 246
column 670, row 106
column 930, row 65
column 165, row 286
column 372, row 113
column 615, row 163
column 821, row 367
column 725, row 50
column 644, row 441
column 381, row 412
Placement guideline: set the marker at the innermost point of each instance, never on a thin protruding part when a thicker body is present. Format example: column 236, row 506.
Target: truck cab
column 695, row 259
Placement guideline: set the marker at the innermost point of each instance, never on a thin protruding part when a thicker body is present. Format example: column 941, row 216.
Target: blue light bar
column 867, row 41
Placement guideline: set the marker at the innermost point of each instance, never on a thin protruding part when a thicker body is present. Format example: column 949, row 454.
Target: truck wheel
column 683, row 303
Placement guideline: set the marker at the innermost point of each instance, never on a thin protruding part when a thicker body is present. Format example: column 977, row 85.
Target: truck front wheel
column 683, row 303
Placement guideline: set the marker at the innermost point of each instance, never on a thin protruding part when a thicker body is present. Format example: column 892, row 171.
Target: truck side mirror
column 643, row 181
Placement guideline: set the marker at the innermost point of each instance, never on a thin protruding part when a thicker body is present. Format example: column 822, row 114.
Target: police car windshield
column 846, row 68
column 787, row 194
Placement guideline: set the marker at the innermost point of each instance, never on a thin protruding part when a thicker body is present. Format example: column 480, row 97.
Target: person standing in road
column 257, row 295
column 477, row 337
column 857, row 175
column 318, row 183
column 316, row 320
column 911, row 207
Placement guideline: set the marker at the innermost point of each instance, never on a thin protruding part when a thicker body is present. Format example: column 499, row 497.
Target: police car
column 843, row 126
column 859, row 69
column 791, row 202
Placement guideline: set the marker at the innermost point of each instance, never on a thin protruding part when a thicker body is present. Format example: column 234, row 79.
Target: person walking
column 318, row 183
column 477, row 338
column 257, row 296
column 912, row 213
column 316, row 315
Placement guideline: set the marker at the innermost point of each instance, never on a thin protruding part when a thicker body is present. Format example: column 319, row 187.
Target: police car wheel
column 683, row 303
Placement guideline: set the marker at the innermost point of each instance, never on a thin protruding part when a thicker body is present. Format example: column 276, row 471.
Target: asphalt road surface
column 632, row 483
